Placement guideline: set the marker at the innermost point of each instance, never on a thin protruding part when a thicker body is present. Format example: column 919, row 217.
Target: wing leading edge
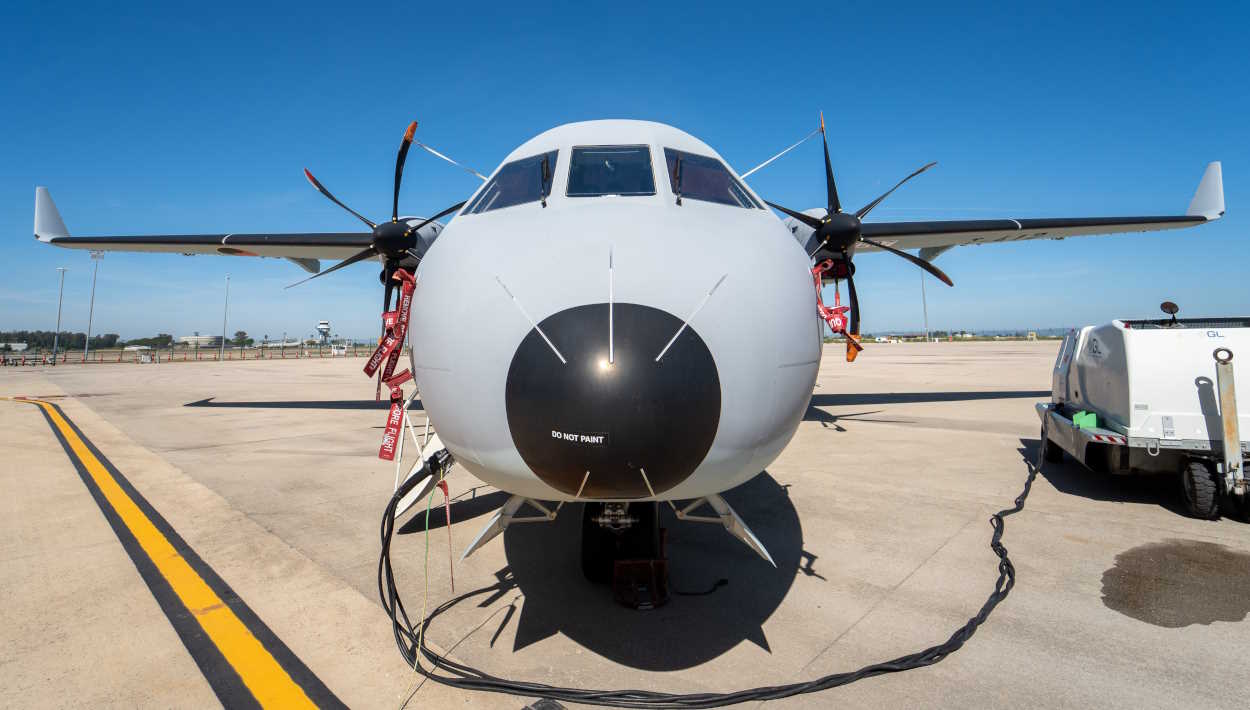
column 50, row 228
column 936, row 236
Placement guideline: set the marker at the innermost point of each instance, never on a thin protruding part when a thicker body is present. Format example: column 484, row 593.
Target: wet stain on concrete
column 1177, row 583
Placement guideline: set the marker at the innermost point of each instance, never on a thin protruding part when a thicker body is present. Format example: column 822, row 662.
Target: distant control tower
column 323, row 327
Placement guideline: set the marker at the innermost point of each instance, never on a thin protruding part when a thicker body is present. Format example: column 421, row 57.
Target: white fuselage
column 491, row 276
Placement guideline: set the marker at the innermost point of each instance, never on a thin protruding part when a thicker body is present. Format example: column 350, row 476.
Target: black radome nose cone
column 613, row 419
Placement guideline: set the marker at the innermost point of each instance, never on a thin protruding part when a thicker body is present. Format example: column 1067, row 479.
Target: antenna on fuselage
column 440, row 156
column 803, row 140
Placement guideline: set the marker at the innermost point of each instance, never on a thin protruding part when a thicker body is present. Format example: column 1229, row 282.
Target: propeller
column 392, row 241
column 839, row 232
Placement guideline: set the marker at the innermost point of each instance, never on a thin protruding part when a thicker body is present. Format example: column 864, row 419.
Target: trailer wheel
column 1201, row 488
column 1052, row 452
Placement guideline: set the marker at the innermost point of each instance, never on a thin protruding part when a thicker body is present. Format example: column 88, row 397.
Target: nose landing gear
column 622, row 544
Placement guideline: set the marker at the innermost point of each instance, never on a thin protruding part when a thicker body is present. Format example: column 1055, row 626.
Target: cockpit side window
column 518, row 182
column 700, row 177
column 600, row 170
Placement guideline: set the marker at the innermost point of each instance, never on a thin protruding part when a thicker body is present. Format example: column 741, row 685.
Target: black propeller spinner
column 838, row 231
column 393, row 241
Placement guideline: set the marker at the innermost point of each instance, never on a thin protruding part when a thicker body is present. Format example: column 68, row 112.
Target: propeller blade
column 830, row 187
column 913, row 259
column 399, row 167
column 335, row 200
column 440, row 215
column 388, row 287
column 358, row 256
column 853, row 346
column 804, row 218
column 854, row 299
column 869, row 207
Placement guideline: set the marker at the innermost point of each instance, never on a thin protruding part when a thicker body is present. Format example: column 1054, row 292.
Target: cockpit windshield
column 699, row 177
column 518, row 182
column 610, row 170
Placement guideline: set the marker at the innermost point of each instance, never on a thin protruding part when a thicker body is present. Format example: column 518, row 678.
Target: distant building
column 201, row 341
column 14, row 347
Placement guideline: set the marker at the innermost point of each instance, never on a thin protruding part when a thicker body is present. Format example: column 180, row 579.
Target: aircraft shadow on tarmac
column 870, row 398
column 830, row 421
column 461, row 510
column 818, row 400
column 700, row 622
column 301, row 404
column 1074, row 479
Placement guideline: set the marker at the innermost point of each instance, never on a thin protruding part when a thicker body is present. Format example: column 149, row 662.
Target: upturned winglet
column 1209, row 199
column 48, row 222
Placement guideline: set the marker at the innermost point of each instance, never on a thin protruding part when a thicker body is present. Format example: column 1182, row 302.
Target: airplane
column 616, row 318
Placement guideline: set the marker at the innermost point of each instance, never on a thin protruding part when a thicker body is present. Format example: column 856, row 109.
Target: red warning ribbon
column 835, row 316
column 394, row 420
column 451, row 561
column 388, row 351
column 396, row 329
column 401, row 378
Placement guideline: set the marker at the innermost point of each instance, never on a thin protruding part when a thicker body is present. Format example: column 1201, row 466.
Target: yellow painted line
column 267, row 680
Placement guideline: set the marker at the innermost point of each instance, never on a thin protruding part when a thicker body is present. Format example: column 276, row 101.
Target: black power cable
column 411, row 640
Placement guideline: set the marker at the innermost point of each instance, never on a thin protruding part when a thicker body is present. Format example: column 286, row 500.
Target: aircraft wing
column 304, row 249
column 937, row 236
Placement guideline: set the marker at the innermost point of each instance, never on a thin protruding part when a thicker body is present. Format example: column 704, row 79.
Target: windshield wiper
column 677, row 178
column 544, row 179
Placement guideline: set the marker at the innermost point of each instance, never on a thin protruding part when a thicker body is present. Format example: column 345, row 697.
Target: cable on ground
column 411, row 639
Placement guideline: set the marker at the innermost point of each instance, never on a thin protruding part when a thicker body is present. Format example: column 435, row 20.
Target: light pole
column 56, row 337
column 95, row 256
column 925, row 305
column 224, row 311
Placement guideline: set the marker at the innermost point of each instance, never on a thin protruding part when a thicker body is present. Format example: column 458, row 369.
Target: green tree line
column 36, row 339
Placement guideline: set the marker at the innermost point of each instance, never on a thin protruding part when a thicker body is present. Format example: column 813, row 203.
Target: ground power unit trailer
column 1156, row 396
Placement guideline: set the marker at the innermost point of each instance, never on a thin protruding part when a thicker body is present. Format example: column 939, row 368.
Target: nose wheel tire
column 1201, row 487
column 602, row 546
column 598, row 546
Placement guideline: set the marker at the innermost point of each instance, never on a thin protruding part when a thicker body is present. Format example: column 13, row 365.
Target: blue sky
column 198, row 118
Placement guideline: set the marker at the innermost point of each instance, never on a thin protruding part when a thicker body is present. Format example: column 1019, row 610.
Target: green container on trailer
column 1085, row 420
